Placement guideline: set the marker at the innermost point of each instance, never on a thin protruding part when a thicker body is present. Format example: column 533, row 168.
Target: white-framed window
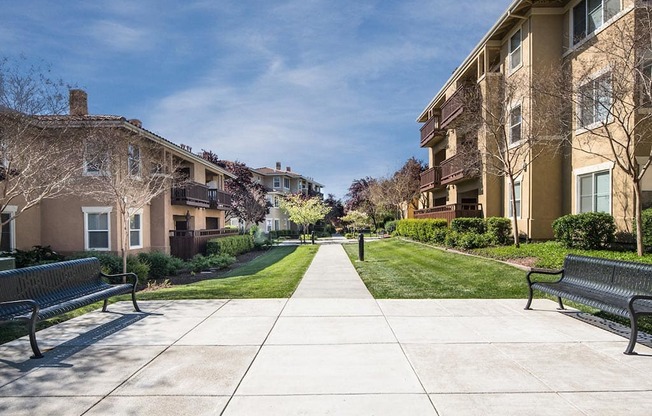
column 594, row 192
column 97, row 228
column 595, row 100
column 515, row 50
column 134, row 160
column 8, row 241
column 277, row 224
column 286, row 183
column 277, row 202
column 515, row 122
column 136, row 229
column 94, row 158
column 590, row 15
column 268, row 225
column 646, row 83
column 516, row 195
column 277, row 182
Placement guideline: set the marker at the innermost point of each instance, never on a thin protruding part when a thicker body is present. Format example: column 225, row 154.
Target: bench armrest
column 544, row 271
column 27, row 302
column 634, row 298
column 119, row 278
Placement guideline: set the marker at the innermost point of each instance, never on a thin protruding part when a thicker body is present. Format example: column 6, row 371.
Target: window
column 646, row 84
column 594, row 192
column 515, row 56
column 268, row 225
column 94, row 158
column 590, row 15
column 8, row 241
column 97, row 225
column 277, row 225
column 134, row 160
column 517, row 193
column 277, row 202
column 595, row 100
column 286, row 183
column 515, row 121
column 135, row 231
column 277, row 182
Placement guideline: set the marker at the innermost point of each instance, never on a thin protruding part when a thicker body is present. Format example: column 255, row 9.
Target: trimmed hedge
column 231, row 246
column 469, row 225
column 646, row 217
column 465, row 233
column 500, row 230
column 427, row 230
column 587, row 231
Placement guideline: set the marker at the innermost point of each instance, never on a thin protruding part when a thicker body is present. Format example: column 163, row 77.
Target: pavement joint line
column 254, row 359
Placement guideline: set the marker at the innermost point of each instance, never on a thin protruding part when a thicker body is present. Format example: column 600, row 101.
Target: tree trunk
column 517, row 243
column 638, row 207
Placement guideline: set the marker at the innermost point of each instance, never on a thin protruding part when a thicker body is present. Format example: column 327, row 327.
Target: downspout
column 530, row 170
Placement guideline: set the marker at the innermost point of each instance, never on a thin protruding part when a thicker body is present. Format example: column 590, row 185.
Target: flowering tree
column 357, row 219
column 304, row 211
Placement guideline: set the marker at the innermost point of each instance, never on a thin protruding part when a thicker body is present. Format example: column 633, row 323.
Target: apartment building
column 177, row 221
column 279, row 183
column 533, row 41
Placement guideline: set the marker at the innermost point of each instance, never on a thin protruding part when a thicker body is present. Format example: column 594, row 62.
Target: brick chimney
column 78, row 103
column 287, row 168
column 278, row 165
column 136, row 122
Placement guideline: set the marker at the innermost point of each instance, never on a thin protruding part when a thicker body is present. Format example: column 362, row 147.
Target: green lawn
column 274, row 274
column 400, row 269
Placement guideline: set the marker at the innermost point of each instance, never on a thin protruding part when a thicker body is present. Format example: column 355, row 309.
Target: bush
column 469, row 225
column 37, row 255
column 231, row 246
column 161, row 264
column 646, row 217
column 426, row 230
column 500, row 230
column 587, row 231
column 390, row 227
column 213, row 261
column 140, row 268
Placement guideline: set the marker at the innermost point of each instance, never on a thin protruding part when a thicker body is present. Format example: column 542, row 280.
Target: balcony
column 450, row 212
column 219, row 199
column 431, row 132
column 460, row 167
column 453, row 107
column 431, row 179
column 192, row 194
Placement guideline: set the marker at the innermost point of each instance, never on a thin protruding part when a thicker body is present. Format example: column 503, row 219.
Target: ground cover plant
column 401, row 269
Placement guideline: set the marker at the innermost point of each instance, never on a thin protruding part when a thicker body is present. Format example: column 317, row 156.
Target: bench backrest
column 624, row 276
column 54, row 280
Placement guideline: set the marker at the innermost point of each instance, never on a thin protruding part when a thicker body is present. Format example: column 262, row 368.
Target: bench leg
column 31, row 326
column 633, row 336
column 133, row 299
column 106, row 304
column 561, row 304
column 529, row 299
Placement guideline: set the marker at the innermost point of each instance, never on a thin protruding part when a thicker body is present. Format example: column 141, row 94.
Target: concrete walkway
column 330, row 349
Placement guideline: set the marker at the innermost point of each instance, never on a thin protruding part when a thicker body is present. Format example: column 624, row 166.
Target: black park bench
column 622, row 288
column 33, row 294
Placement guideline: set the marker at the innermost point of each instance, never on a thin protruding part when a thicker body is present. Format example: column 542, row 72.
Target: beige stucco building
column 532, row 41
column 178, row 219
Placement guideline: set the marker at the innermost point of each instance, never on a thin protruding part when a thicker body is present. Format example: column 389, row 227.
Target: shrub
column 140, row 268
column 426, row 230
column 213, row 261
column 469, row 225
column 231, row 246
column 500, row 230
column 161, row 264
column 646, row 217
column 37, row 255
column 390, row 227
column 588, row 231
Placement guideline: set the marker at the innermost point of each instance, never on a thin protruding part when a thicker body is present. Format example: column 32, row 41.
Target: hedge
column 232, row 246
column 587, row 231
column 465, row 233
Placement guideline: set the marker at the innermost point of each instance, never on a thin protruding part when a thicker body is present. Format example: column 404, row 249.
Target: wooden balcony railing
column 192, row 194
column 451, row 211
column 185, row 244
column 460, row 167
column 431, row 179
column 431, row 132
column 453, row 107
column 219, row 199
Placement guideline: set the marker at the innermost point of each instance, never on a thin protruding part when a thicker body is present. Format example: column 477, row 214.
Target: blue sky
column 331, row 88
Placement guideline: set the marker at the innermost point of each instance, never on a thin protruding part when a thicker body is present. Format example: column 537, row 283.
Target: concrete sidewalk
column 330, row 349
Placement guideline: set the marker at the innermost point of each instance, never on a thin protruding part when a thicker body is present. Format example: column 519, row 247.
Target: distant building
column 278, row 183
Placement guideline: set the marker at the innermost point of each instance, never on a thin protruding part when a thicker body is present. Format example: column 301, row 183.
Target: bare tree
column 510, row 126
column 36, row 161
column 127, row 170
column 608, row 83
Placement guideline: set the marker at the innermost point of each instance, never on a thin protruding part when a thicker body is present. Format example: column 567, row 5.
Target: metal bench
column 619, row 287
column 33, row 294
